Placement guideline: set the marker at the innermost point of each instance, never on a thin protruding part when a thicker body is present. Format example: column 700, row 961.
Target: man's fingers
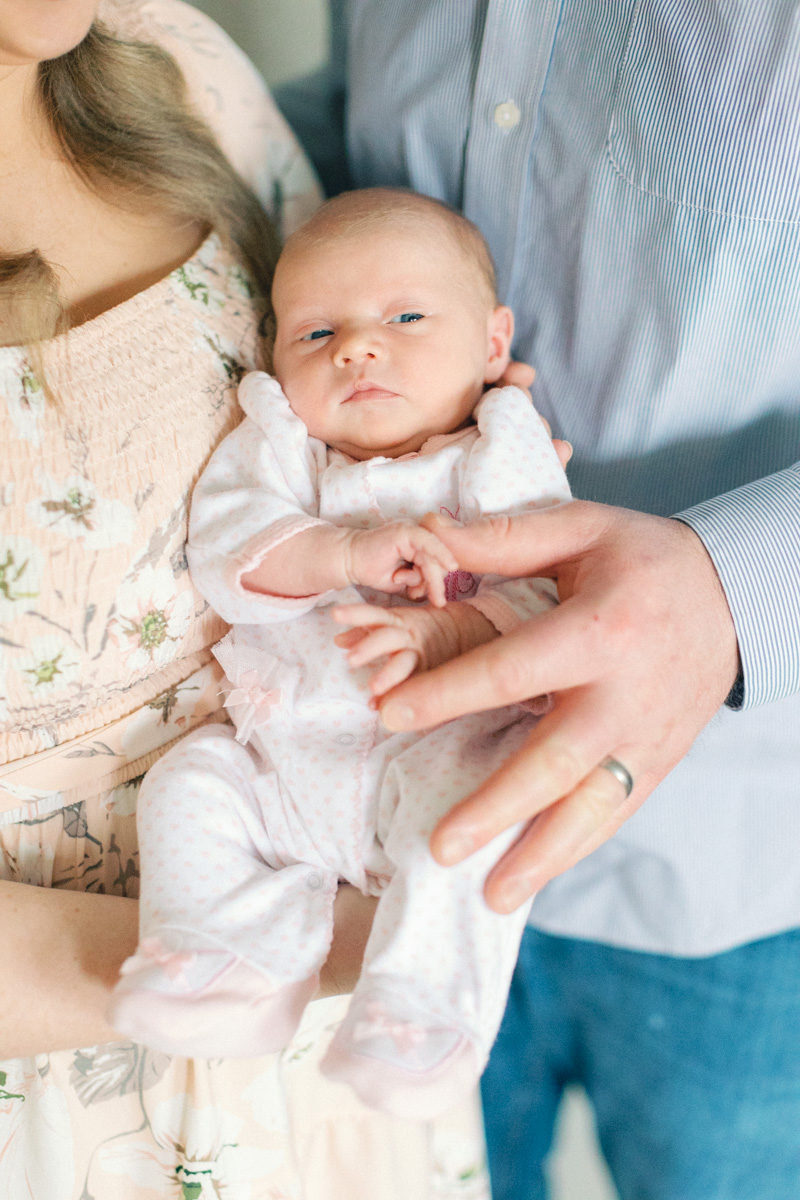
column 518, row 374
column 559, row 754
column 526, row 544
column 558, row 838
column 563, row 451
column 557, row 650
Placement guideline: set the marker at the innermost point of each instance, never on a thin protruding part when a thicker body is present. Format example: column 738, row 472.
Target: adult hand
column 639, row 655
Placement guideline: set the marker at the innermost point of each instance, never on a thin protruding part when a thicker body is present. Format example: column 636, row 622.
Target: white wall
column 284, row 38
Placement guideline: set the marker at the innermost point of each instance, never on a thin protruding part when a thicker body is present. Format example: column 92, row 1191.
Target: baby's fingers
column 408, row 577
column 399, row 667
column 350, row 638
column 434, row 575
column 419, row 591
column 378, row 643
column 363, row 615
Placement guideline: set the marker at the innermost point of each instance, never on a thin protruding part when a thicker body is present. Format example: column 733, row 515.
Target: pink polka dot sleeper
column 246, row 833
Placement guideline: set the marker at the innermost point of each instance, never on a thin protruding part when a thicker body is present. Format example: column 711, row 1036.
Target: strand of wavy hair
column 120, row 113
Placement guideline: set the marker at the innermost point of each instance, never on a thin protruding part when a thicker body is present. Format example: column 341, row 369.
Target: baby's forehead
column 398, row 235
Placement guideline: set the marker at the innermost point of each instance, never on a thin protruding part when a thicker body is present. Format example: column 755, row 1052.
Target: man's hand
column 639, row 656
column 410, row 639
column 401, row 557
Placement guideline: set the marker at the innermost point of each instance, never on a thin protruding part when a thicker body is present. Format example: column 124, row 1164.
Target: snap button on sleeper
column 345, row 739
column 314, row 881
column 506, row 115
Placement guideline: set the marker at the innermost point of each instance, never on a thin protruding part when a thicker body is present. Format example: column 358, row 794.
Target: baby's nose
column 355, row 347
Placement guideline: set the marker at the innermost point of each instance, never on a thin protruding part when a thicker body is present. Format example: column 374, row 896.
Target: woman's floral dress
column 104, row 660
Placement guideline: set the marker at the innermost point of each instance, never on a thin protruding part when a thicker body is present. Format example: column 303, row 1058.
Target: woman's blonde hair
column 120, row 113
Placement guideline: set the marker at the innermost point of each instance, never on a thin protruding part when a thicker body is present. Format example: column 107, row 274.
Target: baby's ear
column 501, row 333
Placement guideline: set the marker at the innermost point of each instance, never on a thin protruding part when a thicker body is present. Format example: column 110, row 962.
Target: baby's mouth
column 365, row 389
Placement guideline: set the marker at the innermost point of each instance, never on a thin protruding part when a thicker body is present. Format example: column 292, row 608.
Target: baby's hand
column 410, row 639
column 401, row 557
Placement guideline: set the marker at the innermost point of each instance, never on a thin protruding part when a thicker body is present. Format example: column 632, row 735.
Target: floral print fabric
column 105, row 660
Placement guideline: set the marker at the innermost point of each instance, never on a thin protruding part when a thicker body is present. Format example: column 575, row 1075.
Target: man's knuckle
column 599, row 799
column 562, row 765
column 510, row 678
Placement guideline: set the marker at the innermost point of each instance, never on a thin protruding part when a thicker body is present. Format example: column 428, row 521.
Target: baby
column 307, row 518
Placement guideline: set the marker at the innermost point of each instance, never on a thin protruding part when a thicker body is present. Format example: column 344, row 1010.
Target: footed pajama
column 246, row 833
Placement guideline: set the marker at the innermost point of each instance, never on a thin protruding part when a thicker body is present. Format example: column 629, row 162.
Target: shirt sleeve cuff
column 753, row 537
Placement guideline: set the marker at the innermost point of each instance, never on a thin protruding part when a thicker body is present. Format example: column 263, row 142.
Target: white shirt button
column 506, row 115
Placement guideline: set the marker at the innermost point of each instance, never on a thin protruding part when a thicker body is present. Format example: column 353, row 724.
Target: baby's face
column 385, row 337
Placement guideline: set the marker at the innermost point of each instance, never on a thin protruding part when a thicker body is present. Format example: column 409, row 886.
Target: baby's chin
column 362, row 453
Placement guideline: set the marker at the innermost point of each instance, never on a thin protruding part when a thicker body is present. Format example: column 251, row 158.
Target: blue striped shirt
column 635, row 166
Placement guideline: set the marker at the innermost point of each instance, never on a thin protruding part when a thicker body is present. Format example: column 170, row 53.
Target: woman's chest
column 101, row 254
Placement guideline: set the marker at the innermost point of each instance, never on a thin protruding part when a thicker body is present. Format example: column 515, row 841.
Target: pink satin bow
column 257, row 704
column 153, row 950
column 378, row 1022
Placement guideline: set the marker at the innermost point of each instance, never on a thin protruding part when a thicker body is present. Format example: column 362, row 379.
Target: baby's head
column 387, row 323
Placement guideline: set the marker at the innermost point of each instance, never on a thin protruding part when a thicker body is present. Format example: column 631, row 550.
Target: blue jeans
column 692, row 1066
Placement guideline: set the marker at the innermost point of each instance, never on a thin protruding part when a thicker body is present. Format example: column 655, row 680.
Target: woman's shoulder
column 228, row 92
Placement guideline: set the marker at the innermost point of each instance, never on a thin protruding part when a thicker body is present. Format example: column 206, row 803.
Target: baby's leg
column 439, row 962
column 231, row 938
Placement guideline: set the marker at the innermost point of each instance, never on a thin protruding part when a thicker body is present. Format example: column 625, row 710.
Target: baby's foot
column 403, row 1063
column 204, row 1004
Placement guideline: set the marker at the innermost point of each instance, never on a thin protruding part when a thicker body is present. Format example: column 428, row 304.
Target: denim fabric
column 692, row 1065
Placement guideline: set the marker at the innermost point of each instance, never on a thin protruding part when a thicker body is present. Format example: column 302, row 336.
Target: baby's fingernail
column 397, row 716
column 446, row 519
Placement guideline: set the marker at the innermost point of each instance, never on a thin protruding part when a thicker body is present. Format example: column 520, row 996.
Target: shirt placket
column 515, row 55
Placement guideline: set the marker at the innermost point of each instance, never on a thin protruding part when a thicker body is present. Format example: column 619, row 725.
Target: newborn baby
column 387, row 332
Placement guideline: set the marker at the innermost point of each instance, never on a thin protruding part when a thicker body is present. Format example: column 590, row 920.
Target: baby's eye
column 316, row 334
column 406, row 318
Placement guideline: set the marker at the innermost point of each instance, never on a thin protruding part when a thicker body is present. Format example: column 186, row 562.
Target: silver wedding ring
column 619, row 772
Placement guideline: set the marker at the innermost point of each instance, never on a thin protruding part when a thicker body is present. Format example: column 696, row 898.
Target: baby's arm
column 399, row 557
column 411, row 639
column 258, row 550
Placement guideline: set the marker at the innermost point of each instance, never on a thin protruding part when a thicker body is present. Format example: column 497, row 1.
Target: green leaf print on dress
column 100, row 1073
column 23, row 394
column 74, row 509
column 21, row 564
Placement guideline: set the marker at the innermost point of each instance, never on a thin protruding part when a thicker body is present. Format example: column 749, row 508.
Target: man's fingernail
column 457, row 847
column 397, row 716
column 514, row 893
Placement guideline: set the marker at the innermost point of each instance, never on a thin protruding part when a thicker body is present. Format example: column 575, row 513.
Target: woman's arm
column 62, row 953
column 63, row 950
